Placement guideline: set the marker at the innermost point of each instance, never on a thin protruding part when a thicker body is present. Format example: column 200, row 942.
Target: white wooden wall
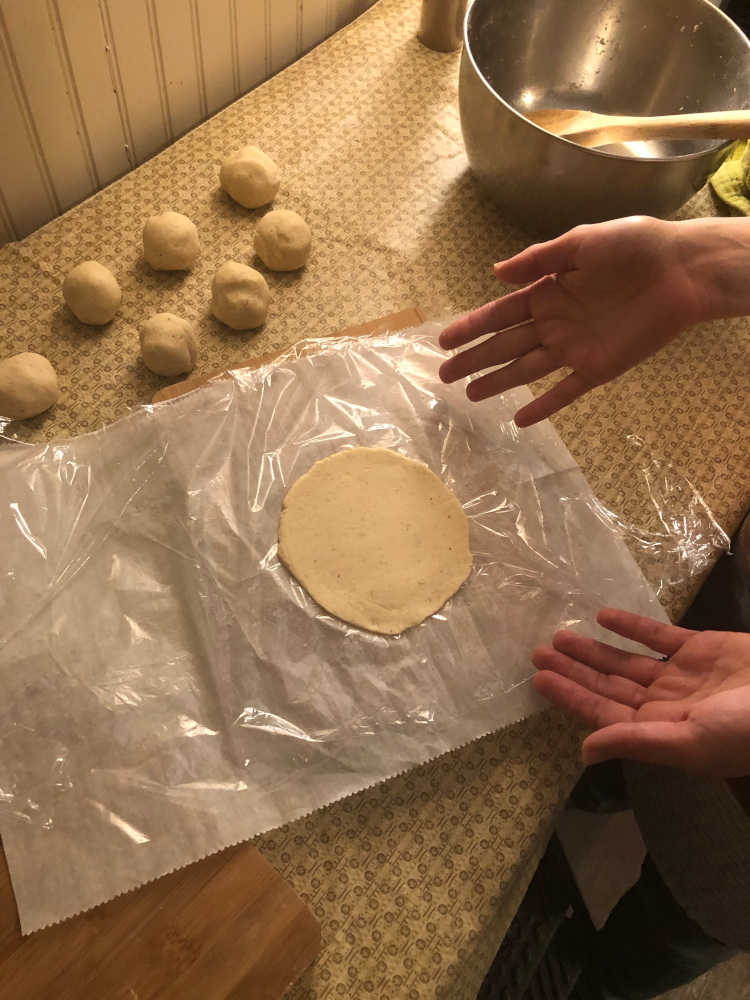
column 91, row 88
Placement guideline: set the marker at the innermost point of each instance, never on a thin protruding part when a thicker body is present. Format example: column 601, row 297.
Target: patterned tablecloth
column 414, row 881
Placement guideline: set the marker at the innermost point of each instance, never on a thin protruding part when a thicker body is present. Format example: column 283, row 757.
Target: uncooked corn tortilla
column 375, row 538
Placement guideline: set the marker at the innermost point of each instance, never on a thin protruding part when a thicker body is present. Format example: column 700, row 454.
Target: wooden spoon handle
column 703, row 125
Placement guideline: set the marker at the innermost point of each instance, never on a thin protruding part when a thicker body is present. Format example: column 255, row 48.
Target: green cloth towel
column 731, row 182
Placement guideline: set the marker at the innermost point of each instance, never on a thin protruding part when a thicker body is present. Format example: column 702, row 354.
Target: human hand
column 691, row 712
column 602, row 298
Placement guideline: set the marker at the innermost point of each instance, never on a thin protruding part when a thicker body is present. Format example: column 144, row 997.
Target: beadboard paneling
column 91, row 88
column 181, row 60
column 345, row 11
column 315, row 23
column 251, row 24
column 82, row 35
column 285, row 16
column 217, row 53
column 135, row 60
column 6, row 233
column 25, row 185
column 44, row 89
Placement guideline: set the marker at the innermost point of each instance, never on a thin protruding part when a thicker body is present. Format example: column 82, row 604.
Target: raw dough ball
column 28, row 386
column 92, row 293
column 170, row 242
column 168, row 344
column 250, row 177
column 282, row 240
column 239, row 296
column 377, row 539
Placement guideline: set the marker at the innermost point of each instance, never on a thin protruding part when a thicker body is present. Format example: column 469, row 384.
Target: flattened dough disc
column 375, row 538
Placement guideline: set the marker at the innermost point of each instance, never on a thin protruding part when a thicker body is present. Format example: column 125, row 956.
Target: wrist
column 715, row 256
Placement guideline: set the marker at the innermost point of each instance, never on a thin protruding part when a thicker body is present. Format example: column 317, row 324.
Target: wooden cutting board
column 390, row 323
column 226, row 928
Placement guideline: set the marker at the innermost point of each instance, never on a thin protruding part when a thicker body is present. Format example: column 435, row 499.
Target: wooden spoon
column 590, row 129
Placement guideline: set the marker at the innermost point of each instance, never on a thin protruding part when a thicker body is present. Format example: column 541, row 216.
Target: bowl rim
column 681, row 157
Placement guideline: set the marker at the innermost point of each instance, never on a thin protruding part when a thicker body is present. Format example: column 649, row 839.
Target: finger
column 662, row 638
column 643, row 670
column 592, row 709
column 536, row 364
column 568, row 389
column 540, row 259
column 498, row 315
column 671, row 744
column 498, row 350
column 612, row 686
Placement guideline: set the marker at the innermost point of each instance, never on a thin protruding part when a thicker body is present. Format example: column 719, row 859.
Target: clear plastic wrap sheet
column 167, row 689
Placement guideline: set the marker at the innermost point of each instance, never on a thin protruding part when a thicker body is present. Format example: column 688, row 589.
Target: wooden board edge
column 158, row 941
column 401, row 320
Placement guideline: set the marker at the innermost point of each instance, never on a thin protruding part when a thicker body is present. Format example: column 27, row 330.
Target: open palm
column 690, row 711
column 602, row 298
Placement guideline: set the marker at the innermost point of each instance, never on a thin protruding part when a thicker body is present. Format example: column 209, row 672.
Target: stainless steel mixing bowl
column 612, row 56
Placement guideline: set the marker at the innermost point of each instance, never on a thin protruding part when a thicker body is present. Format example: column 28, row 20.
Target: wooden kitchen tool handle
column 703, row 125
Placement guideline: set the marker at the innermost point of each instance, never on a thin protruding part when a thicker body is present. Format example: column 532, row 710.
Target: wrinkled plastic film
column 687, row 540
column 168, row 689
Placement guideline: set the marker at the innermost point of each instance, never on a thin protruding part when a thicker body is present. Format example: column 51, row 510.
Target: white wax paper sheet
column 167, row 689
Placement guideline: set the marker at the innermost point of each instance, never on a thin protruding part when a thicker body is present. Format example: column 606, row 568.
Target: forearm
column 716, row 255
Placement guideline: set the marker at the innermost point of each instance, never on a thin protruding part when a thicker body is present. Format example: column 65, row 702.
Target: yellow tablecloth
column 415, row 881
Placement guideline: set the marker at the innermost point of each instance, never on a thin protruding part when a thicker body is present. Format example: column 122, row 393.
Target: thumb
column 670, row 744
column 540, row 259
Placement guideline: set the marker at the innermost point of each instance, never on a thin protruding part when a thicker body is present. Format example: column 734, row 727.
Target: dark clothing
column 647, row 946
